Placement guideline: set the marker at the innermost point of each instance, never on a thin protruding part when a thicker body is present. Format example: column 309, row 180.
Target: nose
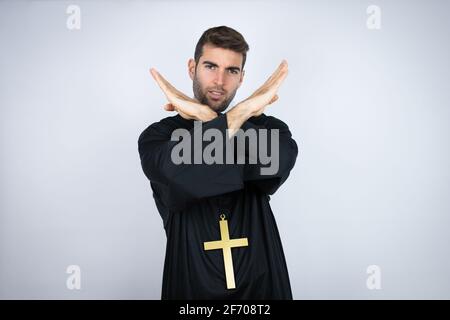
column 219, row 79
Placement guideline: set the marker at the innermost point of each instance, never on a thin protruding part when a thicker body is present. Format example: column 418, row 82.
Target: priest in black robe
column 222, row 237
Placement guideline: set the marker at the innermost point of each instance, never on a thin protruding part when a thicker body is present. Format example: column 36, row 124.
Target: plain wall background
column 369, row 110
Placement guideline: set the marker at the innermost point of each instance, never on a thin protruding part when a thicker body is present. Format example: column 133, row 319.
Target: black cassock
column 190, row 199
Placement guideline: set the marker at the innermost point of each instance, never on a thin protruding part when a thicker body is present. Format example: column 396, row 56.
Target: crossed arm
column 155, row 146
column 253, row 106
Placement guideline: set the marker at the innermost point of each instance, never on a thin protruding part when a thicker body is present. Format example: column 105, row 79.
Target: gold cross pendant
column 226, row 244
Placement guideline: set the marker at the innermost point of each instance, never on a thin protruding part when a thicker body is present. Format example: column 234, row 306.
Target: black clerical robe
column 190, row 199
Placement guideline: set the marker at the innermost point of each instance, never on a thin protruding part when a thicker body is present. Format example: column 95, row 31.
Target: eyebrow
column 228, row 68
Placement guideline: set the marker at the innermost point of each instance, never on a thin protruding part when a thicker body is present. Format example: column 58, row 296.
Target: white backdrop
column 369, row 109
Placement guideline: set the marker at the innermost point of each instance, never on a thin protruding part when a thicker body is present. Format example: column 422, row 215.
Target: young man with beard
column 222, row 238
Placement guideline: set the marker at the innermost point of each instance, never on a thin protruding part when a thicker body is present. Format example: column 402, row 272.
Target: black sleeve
column 186, row 183
column 288, row 151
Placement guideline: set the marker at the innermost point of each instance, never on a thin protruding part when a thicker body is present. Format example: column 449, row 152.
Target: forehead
column 222, row 57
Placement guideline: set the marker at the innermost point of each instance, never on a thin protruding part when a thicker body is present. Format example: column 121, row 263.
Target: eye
column 234, row 71
column 210, row 67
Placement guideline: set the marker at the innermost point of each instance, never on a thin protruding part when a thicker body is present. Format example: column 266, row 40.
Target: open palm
column 187, row 107
column 267, row 93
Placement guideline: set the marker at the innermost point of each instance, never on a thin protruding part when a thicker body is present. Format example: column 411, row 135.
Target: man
column 222, row 238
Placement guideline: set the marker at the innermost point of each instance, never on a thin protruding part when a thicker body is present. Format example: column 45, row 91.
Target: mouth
column 216, row 95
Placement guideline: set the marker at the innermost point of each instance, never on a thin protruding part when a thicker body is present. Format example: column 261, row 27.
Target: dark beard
column 203, row 99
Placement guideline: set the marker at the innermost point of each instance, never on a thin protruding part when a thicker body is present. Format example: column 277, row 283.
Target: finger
column 162, row 82
column 169, row 107
column 159, row 79
column 180, row 107
column 279, row 73
column 165, row 85
column 275, row 98
column 274, row 82
column 153, row 72
column 282, row 67
column 277, row 82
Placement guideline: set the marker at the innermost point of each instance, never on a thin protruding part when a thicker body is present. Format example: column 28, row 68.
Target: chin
column 218, row 108
column 215, row 107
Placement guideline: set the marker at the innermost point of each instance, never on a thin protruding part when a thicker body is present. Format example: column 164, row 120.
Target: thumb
column 275, row 98
column 169, row 107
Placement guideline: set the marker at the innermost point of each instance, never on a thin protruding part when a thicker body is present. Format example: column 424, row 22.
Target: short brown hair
column 222, row 37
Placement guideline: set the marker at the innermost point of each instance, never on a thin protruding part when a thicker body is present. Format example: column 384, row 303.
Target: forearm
column 237, row 116
column 280, row 155
column 162, row 163
column 204, row 113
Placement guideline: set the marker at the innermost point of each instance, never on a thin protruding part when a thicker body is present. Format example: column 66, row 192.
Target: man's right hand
column 187, row 107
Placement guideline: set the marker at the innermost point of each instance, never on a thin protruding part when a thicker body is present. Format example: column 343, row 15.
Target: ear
column 191, row 68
